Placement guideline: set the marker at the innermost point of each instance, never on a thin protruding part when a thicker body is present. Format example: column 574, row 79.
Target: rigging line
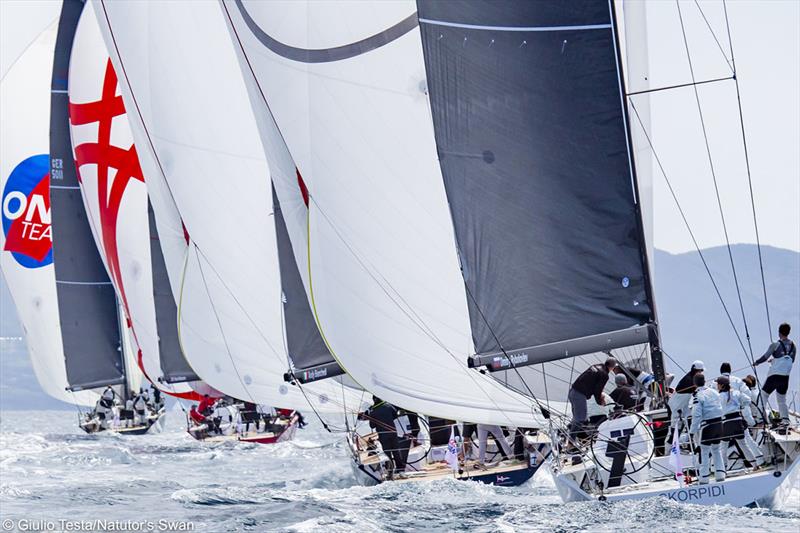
column 500, row 345
column 730, row 63
column 303, row 392
column 678, row 364
column 688, row 227
column 716, row 186
column 239, row 304
column 406, row 309
column 749, row 175
column 680, row 86
column 291, row 366
column 324, row 424
column 222, row 330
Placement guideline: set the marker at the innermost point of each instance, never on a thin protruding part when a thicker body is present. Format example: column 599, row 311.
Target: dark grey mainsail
column 88, row 310
column 174, row 366
column 310, row 358
column 532, row 138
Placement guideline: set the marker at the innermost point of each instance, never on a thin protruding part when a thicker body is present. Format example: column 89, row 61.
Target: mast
column 656, row 356
column 126, row 384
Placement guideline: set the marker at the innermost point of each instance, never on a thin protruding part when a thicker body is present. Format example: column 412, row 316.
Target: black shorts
column 733, row 427
column 776, row 383
column 711, row 433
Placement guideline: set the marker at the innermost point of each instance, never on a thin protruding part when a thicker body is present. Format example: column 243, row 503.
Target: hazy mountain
column 693, row 322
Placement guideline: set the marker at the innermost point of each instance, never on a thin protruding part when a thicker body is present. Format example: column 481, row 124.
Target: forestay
column 347, row 87
column 206, row 144
column 26, row 257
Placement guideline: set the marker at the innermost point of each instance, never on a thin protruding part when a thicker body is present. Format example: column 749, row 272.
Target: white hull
column 768, row 488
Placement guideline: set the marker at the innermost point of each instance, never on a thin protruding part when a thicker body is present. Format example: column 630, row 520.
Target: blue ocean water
column 49, row 471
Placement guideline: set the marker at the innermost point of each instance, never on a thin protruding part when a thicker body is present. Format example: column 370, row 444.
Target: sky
column 766, row 42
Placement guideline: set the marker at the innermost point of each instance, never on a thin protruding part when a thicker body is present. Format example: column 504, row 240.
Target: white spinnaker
column 187, row 83
column 116, row 201
column 383, row 271
column 24, row 132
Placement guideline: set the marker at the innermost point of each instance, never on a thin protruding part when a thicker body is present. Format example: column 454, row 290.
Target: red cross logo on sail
column 107, row 156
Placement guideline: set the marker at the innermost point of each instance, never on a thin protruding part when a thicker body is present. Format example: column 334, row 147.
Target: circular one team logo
column 26, row 213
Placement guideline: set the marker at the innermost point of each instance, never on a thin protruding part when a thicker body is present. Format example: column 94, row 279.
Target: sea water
column 53, row 476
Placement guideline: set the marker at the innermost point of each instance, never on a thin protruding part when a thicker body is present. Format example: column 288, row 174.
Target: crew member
column 679, row 402
column 381, row 418
column 105, row 405
column 624, row 395
column 140, row 408
column 439, row 430
column 206, row 405
column 747, row 413
column 499, row 438
column 588, row 384
column 158, row 399
column 783, row 353
column 195, row 415
column 706, row 429
column 752, row 387
column 127, row 414
column 736, row 415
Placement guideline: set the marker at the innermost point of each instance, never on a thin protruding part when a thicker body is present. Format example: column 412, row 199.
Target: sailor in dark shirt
column 381, row 418
column 588, row 384
column 624, row 395
column 680, row 400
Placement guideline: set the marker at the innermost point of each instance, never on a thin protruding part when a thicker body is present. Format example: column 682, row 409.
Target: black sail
column 87, row 305
column 174, row 366
column 310, row 356
column 531, row 135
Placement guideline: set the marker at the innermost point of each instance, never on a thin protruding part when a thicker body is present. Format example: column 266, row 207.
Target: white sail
column 382, row 270
column 637, row 78
column 114, row 192
column 21, row 24
column 194, row 106
column 26, row 256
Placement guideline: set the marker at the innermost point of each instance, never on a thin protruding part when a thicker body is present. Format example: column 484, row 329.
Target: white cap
column 698, row 365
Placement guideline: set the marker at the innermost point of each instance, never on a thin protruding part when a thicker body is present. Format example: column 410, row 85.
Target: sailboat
column 96, row 339
column 348, row 127
column 502, row 129
column 230, row 311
